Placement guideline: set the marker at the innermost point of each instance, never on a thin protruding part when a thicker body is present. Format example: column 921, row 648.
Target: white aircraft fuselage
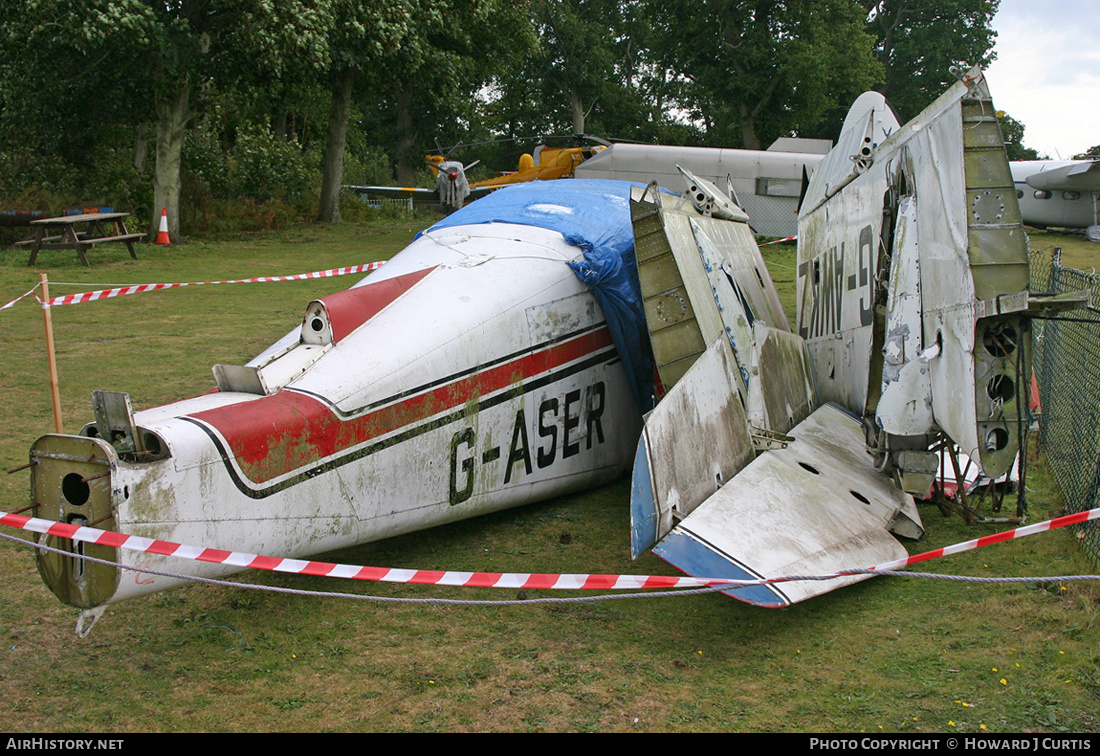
column 1067, row 201
column 472, row 373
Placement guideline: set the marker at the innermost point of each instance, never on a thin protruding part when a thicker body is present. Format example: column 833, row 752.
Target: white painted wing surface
column 814, row 508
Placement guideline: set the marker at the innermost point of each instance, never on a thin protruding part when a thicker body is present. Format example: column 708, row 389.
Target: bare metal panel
column 697, row 437
column 71, row 482
column 816, row 507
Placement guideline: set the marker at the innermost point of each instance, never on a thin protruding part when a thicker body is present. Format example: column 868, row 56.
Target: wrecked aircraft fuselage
column 473, row 372
column 478, row 372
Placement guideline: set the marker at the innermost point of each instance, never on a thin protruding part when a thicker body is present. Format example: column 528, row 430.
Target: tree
column 171, row 52
column 588, row 73
column 918, row 41
column 191, row 42
column 1013, row 132
column 460, row 46
column 413, row 61
column 577, row 52
column 359, row 41
column 65, row 112
column 757, row 70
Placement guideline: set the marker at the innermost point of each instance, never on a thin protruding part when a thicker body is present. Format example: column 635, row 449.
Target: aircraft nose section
column 72, row 481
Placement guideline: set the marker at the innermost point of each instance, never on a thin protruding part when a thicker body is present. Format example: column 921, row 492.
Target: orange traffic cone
column 162, row 233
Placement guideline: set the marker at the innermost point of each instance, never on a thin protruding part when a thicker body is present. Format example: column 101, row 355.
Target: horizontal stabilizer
column 816, row 507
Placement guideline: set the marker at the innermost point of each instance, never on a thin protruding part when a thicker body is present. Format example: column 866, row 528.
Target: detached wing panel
column 816, row 507
column 695, row 440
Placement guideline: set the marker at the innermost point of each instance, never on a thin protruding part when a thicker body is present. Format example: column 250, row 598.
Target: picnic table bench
column 101, row 228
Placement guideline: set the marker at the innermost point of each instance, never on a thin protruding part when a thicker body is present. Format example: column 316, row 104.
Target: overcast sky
column 1047, row 72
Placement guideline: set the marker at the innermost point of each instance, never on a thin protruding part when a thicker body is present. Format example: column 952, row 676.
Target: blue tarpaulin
column 593, row 215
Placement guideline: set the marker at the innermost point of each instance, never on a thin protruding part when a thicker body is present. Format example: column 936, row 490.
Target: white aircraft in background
column 766, row 184
column 1062, row 193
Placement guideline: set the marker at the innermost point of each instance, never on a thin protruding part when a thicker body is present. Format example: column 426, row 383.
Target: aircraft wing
column 418, row 194
column 815, row 507
column 395, row 192
column 480, row 191
column 738, row 473
column 1081, row 176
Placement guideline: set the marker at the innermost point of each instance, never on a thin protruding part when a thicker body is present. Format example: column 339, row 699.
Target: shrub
column 249, row 162
column 263, row 166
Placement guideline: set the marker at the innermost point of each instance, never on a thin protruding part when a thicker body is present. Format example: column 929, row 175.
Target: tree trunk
column 749, row 139
column 406, row 137
column 172, row 116
column 335, row 146
column 576, row 110
column 278, row 126
column 141, row 147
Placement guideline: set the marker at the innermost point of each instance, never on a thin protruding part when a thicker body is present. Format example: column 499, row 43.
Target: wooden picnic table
column 101, row 228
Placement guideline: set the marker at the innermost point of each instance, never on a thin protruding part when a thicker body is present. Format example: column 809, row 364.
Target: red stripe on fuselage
column 278, row 434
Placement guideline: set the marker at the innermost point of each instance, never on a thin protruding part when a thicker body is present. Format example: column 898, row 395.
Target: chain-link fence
column 1066, row 359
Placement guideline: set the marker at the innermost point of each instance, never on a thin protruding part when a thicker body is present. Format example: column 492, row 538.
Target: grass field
column 888, row 655
column 1077, row 252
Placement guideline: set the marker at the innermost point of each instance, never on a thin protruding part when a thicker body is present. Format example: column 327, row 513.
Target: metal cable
column 583, row 599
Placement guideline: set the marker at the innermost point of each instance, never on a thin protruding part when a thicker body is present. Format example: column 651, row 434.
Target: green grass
column 889, row 655
column 1077, row 252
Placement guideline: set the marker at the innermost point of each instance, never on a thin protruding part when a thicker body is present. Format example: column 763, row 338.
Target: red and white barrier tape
column 91, row 296
column 477, row 579
column 1007, row 535
column 780, row 241
column 121, row 291
column 16, row 300
column 352, row 572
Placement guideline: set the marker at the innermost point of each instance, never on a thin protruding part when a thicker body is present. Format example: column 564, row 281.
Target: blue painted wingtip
column 643, row 503
column 695, row 558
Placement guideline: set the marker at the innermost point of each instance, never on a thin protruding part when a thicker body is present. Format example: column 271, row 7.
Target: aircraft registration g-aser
column 513, row 351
